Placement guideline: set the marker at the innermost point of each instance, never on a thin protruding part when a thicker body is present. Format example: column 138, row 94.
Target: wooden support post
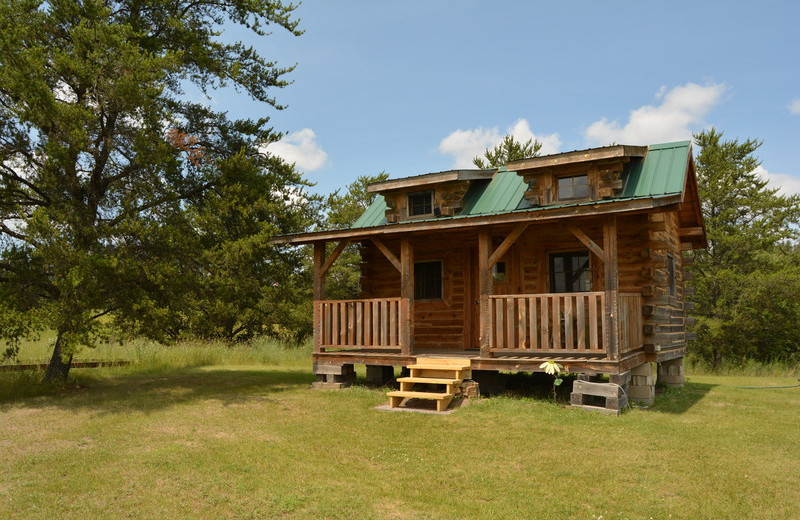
column 588, row 242
column 406, row 297
column 507, row 243
column 612, row 286
column 318, row 292
column 334, row 255
column 387, row 253
column 484, row 288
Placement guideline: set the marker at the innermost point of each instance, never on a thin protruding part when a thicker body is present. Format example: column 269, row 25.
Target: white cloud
column 794, row 106
column 464, row 145
column 682, row 109
column 300, row 148
column 786, row 184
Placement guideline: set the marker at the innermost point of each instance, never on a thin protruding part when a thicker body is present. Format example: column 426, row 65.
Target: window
column 428, row 280
column 673, row 285
column 569, row 272
column 573, row 188
column 420, row 203
column 499, row 272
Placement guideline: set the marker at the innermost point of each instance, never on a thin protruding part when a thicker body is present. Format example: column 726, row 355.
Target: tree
column 344, row 277
column 748, row 225
column 509, row 149
column 108, row 175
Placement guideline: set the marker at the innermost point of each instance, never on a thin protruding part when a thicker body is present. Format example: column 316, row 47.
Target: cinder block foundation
column 671, row 372
column 642, row 387
column 333, row 377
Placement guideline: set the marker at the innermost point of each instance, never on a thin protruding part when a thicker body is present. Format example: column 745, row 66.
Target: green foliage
column 508, row 150
column 747, row 279
column 344, row 277
column 121, row 203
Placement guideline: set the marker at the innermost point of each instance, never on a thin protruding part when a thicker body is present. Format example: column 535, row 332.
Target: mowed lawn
column 254, row 441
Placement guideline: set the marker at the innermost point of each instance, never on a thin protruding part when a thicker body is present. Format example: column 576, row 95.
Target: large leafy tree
column 122, row 202
column 745, row 304
column 507, row 150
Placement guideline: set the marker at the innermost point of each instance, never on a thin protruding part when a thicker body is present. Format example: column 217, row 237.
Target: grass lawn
column 253, row 441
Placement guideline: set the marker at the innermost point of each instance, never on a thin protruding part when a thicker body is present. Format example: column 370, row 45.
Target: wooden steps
column 446, row 374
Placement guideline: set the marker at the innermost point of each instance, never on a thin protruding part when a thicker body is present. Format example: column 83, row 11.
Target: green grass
column 179, row 436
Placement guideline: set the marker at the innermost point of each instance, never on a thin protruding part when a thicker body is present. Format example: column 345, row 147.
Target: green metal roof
column 661, row 172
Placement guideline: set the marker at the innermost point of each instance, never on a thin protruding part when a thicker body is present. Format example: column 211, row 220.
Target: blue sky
column 421, row 86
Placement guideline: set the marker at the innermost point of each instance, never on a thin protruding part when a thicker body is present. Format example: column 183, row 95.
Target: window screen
column 575, row 187
column 428, row 280
column 420, row 203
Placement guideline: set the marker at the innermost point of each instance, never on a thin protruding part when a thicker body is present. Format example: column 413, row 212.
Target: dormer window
column 574, row 187
column 420, row 203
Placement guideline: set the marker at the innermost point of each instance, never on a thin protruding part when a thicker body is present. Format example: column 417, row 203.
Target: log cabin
column 574, row 257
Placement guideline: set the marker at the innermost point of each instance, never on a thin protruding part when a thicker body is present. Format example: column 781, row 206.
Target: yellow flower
column 551, row 367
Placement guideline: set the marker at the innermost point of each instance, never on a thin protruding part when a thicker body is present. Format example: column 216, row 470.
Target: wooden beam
column 578, row 156
column 588, row 242
column 387, row 253
column 406, row 297
column 334, row 255
column 484, row 288
column 691, row 232
column 507, row 243
column 612, row 285
column 318, row 290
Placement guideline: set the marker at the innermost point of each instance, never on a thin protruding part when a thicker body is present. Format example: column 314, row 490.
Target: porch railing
column 373, row 323
column 631, row 333
column 571, row 323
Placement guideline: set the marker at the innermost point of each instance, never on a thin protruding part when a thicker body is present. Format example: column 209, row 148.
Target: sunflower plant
column 554, row 369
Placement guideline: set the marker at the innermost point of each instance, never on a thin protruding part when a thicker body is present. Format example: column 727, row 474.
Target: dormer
column 580, row 176
column 427, row 196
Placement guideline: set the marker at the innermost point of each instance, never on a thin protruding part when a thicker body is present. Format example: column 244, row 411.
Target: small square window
column 420, row 203
column 573, row 188
column 428, row 280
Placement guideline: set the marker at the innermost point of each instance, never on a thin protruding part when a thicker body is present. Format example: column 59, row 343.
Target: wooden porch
column 578, row 326
column 600, row 330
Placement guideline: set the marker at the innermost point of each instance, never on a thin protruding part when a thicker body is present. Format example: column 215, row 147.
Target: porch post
column 406, row 297
column 485, row 288
column 611, row 286
column 319, row 292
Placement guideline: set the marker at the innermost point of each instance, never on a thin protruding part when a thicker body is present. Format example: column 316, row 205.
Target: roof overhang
column 540, row 214
column 577, row 156
column 428, row 179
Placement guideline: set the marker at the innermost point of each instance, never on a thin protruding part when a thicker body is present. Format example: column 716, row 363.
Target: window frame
column 418, row 284
column 409, row 205
column 561, row 198
column 551, row 278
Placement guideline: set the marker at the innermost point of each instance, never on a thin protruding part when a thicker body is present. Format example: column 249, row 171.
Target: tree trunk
column 58, row 369
column 716, row 362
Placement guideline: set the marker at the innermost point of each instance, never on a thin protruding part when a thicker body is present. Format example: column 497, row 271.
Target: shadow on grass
column 146, row 392
column 680, row 400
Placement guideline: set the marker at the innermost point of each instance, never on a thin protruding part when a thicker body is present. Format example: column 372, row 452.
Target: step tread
column 425, row 366
column 420, row 395
column 431, row 380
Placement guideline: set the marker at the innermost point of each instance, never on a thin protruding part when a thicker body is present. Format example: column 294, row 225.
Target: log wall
column 644, row 243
